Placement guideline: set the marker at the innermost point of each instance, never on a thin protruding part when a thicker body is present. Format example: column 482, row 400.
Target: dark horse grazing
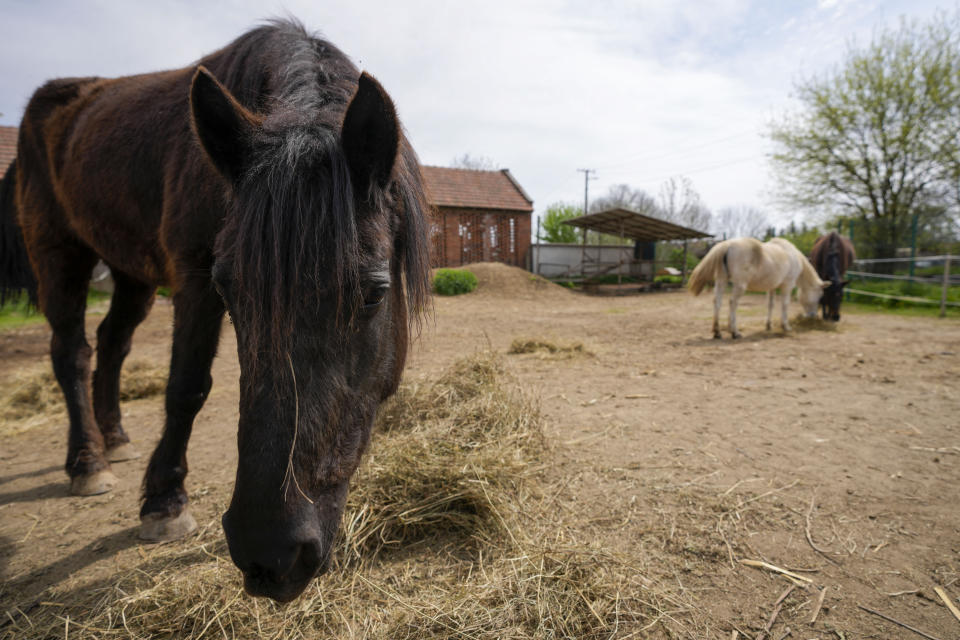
column 272, row 181
column 831, row 256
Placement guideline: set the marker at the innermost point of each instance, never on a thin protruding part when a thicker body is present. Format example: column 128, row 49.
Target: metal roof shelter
column 636, row 226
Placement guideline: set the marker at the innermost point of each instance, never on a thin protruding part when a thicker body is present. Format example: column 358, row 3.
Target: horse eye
column 374, row 296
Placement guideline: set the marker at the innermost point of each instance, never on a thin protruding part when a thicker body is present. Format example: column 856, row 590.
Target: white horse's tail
column 710, row 269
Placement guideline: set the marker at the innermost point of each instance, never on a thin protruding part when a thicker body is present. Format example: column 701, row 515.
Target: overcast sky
column 639, row 91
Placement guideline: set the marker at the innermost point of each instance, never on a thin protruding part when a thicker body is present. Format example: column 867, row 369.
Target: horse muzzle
column 277, row 561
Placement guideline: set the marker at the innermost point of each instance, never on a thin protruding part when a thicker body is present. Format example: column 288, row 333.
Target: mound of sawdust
column 500, row 280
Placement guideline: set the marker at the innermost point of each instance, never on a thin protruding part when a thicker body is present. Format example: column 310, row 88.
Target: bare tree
column 680, row 203
column 477, row 163
column 739, row 221
column 626, row 197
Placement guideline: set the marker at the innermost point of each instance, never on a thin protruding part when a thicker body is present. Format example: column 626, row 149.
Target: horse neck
column 808, row 275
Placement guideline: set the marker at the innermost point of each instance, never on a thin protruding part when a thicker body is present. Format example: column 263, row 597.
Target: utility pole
column 586, row 202
column 586, row 187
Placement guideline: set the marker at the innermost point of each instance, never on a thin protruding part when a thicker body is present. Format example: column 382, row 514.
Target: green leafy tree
column 802, row 238
column 553, row 228
column 877, row 139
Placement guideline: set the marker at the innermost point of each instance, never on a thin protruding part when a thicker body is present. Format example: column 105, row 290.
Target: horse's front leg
column 770, row 309
column 735, row 293
column 717, row 303
column 198, row 312
column 785, row 309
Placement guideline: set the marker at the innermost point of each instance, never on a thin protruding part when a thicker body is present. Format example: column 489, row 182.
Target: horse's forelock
column 295, row 237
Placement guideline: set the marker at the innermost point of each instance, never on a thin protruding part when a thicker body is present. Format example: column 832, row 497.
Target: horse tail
column 710, row 269
column 16, row 274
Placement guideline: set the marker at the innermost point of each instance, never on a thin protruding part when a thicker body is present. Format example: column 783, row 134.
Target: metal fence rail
column 944, row 280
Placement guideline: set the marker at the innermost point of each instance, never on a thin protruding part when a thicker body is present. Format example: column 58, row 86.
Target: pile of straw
column 446, row 535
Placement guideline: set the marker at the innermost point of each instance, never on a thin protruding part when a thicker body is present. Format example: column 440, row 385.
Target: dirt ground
column 831, row 453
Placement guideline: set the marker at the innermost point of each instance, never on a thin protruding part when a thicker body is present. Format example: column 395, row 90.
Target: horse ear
column 844, row 283
column 222, row 124
column 825, row 284
column 371, row 135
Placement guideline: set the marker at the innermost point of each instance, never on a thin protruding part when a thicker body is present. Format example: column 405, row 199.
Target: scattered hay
column 142, row 379
column 547, row 348
column 37, row 394
column 31, row 394
column 803, row 323
column 446, row 535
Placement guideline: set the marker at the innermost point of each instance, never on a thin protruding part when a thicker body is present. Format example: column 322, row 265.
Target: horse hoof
column 93, row 484
column 737, row 336
column 158, row 528
column 717, row 336
column 122, row 453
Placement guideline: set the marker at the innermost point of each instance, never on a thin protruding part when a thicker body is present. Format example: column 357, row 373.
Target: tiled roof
column 475, row 189
column 8, row 147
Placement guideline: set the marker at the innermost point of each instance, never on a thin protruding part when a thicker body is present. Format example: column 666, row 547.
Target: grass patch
column 453, row 282
column 18, row 312
column 927, row 290
column 907, row 311
column 449, row 532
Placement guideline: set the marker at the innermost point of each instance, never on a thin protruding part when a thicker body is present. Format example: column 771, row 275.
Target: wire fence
column 918, row 280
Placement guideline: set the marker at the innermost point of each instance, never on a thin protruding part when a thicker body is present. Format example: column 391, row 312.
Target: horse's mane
column 832, row 244
column 297, row 227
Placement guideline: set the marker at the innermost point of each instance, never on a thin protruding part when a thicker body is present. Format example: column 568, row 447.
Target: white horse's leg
column 735, row 293
column 717, row 303
column 770, row 308
column 785, row 308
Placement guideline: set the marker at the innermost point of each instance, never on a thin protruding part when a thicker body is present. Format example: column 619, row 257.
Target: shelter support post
column 683, row 269
column 619, row 268
column 946, row 285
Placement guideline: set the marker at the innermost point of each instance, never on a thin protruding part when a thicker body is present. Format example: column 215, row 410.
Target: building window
column 513, row 235
column 493, row 237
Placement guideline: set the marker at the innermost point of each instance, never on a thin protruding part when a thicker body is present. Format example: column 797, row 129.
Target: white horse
column 757, row 266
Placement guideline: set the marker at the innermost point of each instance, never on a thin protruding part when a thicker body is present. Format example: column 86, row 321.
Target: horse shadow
column 748, row 338
column 59, row 570
column 59, row 490
column 51, row 490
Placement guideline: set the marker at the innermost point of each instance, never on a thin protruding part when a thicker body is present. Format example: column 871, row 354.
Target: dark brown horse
column 831, row 256
column 273, row 181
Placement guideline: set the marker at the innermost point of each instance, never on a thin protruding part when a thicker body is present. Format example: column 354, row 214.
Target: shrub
column 453, row 282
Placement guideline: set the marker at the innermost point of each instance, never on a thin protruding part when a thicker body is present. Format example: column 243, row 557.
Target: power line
column 658, row 156
column 710, row 167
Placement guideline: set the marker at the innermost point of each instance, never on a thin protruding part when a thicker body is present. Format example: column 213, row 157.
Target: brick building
column 479, row 216
column 8, row 147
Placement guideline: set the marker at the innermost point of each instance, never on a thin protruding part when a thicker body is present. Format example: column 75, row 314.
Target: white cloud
column 641, row 90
